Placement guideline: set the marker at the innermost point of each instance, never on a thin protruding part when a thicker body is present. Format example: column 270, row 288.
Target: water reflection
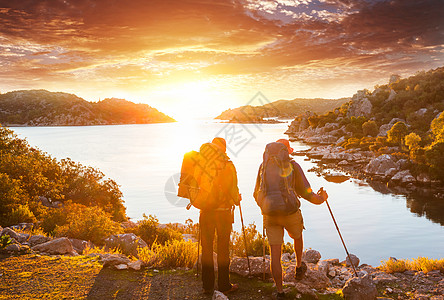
column 422, row 203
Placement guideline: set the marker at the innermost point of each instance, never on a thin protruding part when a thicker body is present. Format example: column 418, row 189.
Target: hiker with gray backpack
column 279, row 184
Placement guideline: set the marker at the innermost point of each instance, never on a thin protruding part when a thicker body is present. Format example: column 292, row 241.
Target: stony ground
column 34, row 276
column 61, row 277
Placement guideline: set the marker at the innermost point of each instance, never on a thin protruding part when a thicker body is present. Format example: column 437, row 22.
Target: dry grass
column 423, row 264
column 171, row 255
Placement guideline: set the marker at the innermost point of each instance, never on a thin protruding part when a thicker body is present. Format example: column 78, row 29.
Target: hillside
column 283, row 109
column 394, row 133
column 44, row 108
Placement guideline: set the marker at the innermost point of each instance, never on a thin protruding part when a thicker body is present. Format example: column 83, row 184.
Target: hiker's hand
column 323, row 194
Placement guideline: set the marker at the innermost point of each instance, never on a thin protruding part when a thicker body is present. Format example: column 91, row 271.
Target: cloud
column 133, row 42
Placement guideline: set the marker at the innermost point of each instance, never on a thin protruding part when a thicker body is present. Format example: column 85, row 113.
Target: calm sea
column 145, row 160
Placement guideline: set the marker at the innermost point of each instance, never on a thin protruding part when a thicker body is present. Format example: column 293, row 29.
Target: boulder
column 136, row 265
column 354, row 260
column 80, row 245
column 305, row 290
column 360, row 105
column 127, row 242
column 324, row 266
column 57, row 246
column 380, row 165
column 239, row 266
column 383, row 129
column 403, row 177
column 219, row 296
column 423, row 178
column 20, row 237
column 286, row 257
column 38, row 239
column 316, row 279
column 360, row 288
column 114, row 260
column 391, row 96
column 311, row 256
column 13, row 248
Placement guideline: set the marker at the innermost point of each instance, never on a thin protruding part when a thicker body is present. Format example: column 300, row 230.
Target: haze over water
column 143, row 158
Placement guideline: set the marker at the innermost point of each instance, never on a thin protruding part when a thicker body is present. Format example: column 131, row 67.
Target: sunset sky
column 181, row 55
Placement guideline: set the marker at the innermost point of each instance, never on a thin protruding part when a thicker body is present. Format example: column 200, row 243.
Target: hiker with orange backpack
column 279, row 182
column 209, row 180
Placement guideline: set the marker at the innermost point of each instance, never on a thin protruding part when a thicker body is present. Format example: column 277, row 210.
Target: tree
column 437, row 127
column 370, row 128
column 397, row 133
column 412, row 140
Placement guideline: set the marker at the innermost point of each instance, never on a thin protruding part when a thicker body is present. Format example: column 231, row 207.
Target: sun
column 192, row 100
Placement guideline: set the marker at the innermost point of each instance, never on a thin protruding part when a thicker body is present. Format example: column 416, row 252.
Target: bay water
column 145, row 161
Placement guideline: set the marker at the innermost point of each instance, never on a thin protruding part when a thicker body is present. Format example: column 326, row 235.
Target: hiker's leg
column 298, row 247
column 276, row 267
column 224, row 223
column 207, row 229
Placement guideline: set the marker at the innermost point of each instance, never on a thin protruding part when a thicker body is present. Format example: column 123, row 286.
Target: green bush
column 21, row 214
column 174, row 254
column 255, row 242
column 150, row 231
column 370, row 128
column 397, row 133
column 87, row 223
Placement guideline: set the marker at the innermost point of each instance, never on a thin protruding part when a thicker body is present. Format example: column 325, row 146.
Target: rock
column 333, row 261
column 58, row 246
column 316, row 279
column 136, row 265
column 286, row 257
column 360, row 288
column 323, row 266
column 38, row 239
column 13, row 248
column 391, row 96
column 423, row 178
column 121, row 267
column 383, row 129
column 189, row 237
column 305, row 290
column 127, row 242
column 380, row 165
column 219, row 296
column 113, row 260
column 23, row 226
column 354, row 260
column 80, row 245
column 20, row 237
column 394, row 78
column 332, row 273
column 360, row 105
column 381, row 277
column 239, row 266
column 391, row 172
column 404, row 177
column 311, row 256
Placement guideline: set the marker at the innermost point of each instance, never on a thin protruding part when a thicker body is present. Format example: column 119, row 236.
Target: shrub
column 5, row 240
column 11, row 197
column 21, row 214
column 370, row 128
column 420, row 264
column 412, row 140
column 255, row 242
column 87, row 223
column 149, row 230
column 397, row 133
column 174, row 254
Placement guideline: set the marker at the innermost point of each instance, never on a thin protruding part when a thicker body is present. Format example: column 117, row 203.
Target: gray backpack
column 276, row 196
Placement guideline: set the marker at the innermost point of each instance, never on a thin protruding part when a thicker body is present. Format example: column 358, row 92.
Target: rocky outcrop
column 19, row 237
column 311, row 256
column 380, row 165
column 360, row 105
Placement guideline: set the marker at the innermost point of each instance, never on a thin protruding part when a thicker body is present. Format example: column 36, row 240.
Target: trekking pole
column 245, row 239
column 198, row 250
column 342, row 240
column 263, row 252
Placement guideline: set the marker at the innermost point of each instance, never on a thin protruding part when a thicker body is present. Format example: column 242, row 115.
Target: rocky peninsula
column 381, row 136
column 44, row 108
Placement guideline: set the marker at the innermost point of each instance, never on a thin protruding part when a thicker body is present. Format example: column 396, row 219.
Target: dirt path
column 61, row 277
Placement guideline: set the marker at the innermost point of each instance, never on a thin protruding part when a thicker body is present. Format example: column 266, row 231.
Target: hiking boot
column 208, row 292
column 234, row 288
column 280, row 296
column 300, row 271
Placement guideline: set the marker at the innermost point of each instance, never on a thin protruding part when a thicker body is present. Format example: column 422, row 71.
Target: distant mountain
column 284, row 109
column 44, row 108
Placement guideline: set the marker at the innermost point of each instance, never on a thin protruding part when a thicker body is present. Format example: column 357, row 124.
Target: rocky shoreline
column 323, row 277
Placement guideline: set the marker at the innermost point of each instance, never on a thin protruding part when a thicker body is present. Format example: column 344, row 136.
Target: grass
column 423, row 264
column 171, row 255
